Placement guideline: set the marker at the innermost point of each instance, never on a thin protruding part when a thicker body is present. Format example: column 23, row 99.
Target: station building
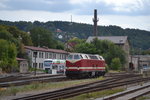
column 37, row 55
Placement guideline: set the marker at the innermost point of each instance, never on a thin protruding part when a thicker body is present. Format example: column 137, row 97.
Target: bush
column 115, row 64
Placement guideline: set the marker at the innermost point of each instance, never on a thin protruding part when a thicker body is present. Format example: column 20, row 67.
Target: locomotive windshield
column 70, row 57
column 76, row 56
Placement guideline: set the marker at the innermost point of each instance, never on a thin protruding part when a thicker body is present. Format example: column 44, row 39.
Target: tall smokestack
column 95, row 20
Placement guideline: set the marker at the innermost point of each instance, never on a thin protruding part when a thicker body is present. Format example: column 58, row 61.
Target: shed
column 23, row 65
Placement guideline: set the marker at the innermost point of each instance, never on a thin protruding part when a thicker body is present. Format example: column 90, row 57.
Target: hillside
column 138, row 38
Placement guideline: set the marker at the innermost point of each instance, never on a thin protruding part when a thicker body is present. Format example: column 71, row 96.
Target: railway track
column 130, row 94
column 17, row 78
column 23, row 80
column 18, row 81
column 86, row 88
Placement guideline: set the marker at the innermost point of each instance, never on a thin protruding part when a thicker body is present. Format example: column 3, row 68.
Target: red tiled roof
column 45, row 49
column 72, row 44
column 20, row 59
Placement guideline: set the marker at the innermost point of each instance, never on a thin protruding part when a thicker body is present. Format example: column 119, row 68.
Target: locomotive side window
column 81, row 56
column 70, row 57
column 100, row 58
column 93, row 57
column 86, row 56
column 76, row 57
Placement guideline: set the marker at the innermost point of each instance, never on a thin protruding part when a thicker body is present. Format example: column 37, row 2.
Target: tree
column 14, row 35
column 115, row 64
column 109, row 50
column 42, row 37
column 8, row 54
column 59, row 45
column 85, row 48
column 73, row 42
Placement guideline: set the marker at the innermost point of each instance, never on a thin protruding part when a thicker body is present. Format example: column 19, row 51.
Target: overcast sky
column 124, row 13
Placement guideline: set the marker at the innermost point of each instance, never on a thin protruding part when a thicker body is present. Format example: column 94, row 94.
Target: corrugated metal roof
column 45, row 49
column 114, row 39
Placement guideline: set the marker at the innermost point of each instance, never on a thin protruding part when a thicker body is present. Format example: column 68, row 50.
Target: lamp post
column 35, row 56
column 139, row 53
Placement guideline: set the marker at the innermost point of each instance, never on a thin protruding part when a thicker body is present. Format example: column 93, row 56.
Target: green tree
column 115, row 64
column 20, row 35
column 14, row 35
column 59, row 45
column 109, row 50
column 86, row 48
column 42, row 37
column 8, row 54
column 75, row 41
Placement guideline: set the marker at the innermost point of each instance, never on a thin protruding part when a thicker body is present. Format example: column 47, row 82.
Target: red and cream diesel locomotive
column 84, row 65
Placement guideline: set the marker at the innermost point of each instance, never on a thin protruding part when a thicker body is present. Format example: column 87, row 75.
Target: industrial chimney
column 95, row 20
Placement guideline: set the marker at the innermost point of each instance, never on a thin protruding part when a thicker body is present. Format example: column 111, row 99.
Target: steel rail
column 72, row 91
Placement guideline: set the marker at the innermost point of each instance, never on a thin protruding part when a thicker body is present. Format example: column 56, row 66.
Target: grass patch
column 115, row 71
column 143, row 98
column 94, row 95
column 44, row 86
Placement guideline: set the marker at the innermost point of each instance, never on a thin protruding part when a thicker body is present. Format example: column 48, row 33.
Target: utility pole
column 95, row 20
column 35, row 65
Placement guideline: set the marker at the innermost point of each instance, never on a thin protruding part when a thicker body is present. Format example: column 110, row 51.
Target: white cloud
column 79, row 1
column 125, row 5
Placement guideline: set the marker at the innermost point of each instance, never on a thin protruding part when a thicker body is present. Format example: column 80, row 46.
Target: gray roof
column 114, row 39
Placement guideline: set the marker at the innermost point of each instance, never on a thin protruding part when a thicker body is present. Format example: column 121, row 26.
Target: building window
column 35, row 54
column 40, row 54
column 46, row 54
column 50, row 55
column 34, row 64
column 41, row 65
column 54, row 56
column 59, row 56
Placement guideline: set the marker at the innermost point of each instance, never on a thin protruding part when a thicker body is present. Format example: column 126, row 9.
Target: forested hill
column 138, row 38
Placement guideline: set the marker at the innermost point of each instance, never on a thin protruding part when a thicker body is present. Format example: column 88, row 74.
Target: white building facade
column 43, row 53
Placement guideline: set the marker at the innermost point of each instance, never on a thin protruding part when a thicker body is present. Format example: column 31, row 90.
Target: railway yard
column 138, row 84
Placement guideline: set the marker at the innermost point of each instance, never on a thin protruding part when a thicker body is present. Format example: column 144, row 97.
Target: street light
column 35, row 55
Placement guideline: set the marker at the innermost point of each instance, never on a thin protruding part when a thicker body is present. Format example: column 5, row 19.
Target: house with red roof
column 37, row 55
